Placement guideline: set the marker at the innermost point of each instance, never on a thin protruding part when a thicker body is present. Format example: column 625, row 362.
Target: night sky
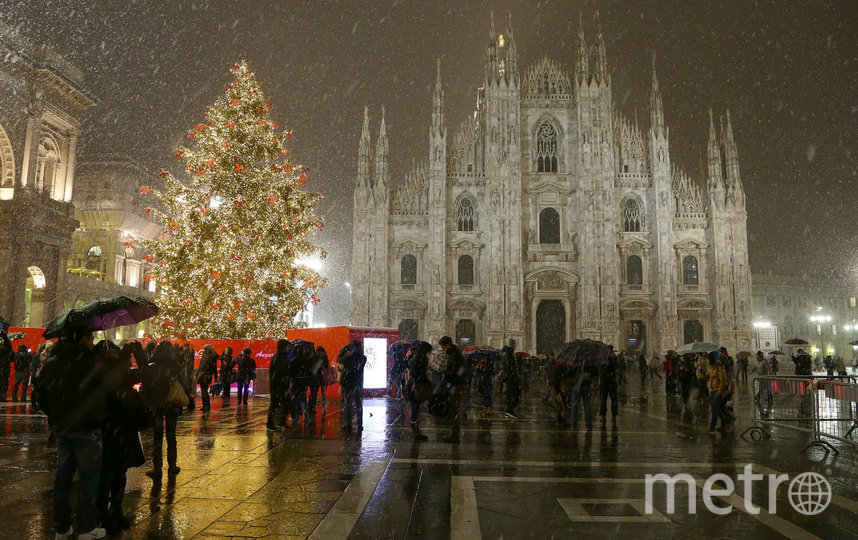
column 788, row 71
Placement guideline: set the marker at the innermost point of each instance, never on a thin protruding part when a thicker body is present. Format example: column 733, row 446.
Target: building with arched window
column 40, row 110
column 107, row 257
column 548, row 215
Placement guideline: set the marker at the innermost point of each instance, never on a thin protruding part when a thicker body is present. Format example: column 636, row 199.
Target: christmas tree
column 234, row 226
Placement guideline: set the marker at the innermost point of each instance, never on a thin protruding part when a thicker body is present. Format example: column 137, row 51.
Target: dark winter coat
column 316, row 363
column 354, row 363
column 157, row 378
column 485, row 372
column 23, row 362
column 246, row 368
column 279, row 373
column 208, row 366
column 227, row 368
column 803, row 365
column 126, row 414
column 83, row 382
column 6, row 356
column 456, row 372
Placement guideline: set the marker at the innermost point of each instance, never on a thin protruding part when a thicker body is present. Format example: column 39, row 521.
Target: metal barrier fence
column 825, row 407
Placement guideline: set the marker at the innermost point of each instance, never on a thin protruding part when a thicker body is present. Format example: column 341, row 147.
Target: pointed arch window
column 546, row 148
column 690, row 274
column 633, row 216
column 466, row 270
column 549, row 226
column 466, row 215
column 634, row 270
column 408, row 272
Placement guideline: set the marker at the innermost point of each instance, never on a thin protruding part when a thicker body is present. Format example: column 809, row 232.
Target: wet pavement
column 524, row 478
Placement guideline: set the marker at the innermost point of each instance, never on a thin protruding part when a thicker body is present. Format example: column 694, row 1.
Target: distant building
column 551, row 215
column 788, row 302
column 43, row 100
column 107, row 257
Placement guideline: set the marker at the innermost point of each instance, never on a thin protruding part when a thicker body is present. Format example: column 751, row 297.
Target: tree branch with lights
column 235, row 226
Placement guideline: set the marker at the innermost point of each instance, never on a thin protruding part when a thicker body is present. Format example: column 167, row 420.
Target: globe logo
column 809, row 493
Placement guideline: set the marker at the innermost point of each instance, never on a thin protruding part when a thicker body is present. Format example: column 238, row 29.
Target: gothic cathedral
column 550, row 216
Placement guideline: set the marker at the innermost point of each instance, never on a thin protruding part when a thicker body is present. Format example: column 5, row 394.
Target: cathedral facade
column 550, row 216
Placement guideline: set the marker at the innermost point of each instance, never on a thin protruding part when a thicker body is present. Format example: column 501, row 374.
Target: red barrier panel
column 332, row 339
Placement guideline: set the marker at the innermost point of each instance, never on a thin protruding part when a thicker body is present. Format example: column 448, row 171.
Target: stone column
column 31, row 144
column 64, row 193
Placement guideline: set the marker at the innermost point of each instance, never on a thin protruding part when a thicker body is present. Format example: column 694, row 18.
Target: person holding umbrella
column 72, row 394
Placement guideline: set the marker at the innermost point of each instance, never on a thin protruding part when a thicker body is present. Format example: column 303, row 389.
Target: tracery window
column 633, row 217
column 546, row 148
column 466, row 215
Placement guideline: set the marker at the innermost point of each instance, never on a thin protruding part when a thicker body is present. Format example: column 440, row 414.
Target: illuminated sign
column 375, row 373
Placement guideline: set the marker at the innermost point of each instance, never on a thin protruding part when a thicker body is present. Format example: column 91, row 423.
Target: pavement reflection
column 238, row 480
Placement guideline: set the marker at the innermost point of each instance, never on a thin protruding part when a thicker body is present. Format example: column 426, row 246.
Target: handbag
column 177, row 395
column 439, row 405
column 329, row 376
column 422, row 390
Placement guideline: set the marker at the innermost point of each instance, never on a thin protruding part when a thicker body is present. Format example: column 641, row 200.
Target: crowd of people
column 89, row 393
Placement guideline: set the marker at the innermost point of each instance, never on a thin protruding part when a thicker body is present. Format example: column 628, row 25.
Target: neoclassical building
column 42, row 102
column 549, row 215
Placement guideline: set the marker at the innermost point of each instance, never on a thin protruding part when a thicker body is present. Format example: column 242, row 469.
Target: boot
column 157, row 464
column 172, row 453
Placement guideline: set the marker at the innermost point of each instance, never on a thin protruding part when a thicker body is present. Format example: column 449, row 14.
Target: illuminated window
column 852, row 302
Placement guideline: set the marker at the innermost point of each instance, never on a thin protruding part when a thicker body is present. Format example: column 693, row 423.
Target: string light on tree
column 236, row 226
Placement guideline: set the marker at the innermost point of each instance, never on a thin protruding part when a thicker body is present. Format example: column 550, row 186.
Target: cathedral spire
column 656, row 105
column 381, row 160
column 364, row 153
column 731, row 158
column 582, row 70
column 437, row 133
column 511, row 51
column 713, row 151
column 602, row 76
column 438, row 103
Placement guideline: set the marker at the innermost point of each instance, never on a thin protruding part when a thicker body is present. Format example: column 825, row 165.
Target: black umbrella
column 103, row 314
column 584, row 353
column 796, row 341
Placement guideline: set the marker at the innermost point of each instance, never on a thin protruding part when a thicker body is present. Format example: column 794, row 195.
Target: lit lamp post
column 820, row 320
